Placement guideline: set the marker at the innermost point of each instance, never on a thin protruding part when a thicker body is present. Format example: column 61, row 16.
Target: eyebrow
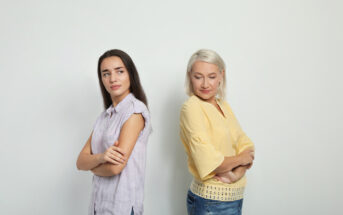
column 198, row 73
column 106, row 70
column 213, row 73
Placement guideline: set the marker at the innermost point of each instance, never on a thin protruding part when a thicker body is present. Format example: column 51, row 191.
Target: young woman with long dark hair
column 116, row 149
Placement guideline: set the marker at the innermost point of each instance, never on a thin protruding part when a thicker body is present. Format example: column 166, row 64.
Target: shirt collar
column 121, row 105
column 219, row 101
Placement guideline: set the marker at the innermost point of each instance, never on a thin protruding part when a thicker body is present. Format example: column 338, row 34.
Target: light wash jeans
column 197, row 205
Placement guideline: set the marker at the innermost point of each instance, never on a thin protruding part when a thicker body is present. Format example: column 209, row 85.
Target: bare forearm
column 106, row 169
column 240, row 171
column 244, row 158
column 232, row 176
column 88, row 161
column 228, row 164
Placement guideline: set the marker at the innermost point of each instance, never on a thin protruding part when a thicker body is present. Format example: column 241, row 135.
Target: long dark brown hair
column 135, row 84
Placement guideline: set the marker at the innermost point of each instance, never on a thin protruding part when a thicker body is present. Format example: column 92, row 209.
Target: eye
column 120, row 71
column 197, row 77
column 105, row 74
column 213, row 77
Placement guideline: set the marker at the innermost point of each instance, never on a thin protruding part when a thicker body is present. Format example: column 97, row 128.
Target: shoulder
column 192, row 109
column 137, row 106
column 136, row 110
column 192, row 103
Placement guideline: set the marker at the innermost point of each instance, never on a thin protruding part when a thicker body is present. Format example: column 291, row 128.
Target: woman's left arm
column 242, row 140
column 234, row 175
column 243, row 143
column 127, row 139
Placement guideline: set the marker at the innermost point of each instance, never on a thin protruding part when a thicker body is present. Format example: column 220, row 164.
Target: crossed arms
column 234, row 168
column 114, row 159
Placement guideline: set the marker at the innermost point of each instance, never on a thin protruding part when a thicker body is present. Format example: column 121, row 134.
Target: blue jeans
column 197, row 205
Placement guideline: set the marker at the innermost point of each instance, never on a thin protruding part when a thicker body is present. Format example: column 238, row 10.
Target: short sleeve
column 196, row 136
column 138, row 107
column 242, row 140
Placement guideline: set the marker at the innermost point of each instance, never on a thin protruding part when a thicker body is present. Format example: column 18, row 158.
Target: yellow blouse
column 208, row 136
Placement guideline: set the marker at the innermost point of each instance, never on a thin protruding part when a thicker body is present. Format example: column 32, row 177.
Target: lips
column 115, row 87
column 205, row 91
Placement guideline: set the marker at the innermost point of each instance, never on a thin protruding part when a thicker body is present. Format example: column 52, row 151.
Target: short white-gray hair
column 208, row 56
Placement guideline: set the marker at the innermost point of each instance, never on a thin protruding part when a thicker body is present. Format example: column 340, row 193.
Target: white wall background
column 284, row 83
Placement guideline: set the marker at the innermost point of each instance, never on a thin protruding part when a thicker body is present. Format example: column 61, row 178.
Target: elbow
column 115, row 172
column 82, row 163
column 117, row 169
column 79, row 165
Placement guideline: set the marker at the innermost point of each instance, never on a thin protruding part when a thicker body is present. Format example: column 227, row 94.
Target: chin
column 118, row 93
column 205, row 96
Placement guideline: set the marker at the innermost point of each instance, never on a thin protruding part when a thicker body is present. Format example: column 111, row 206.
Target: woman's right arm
column 87, row 160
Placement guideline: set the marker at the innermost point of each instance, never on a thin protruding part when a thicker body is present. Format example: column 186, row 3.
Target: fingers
column 232, row 176
column 114, row 155
column 223, row 179
column 252, row 154
column 250, row 165
column 112, row 161
column 246, row 158
column 116, row 143
column 118, row 152
column 115, row 148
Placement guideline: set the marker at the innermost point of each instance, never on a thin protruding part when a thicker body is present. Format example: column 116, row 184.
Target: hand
column 227, row 177
column 113, row 155
column 250, row 165
column 247, row 156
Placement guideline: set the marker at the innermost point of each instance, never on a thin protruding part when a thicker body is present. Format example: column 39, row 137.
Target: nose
column 204, row 83
column 113, row 77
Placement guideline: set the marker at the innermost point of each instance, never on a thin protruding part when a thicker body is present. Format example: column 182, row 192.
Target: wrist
column 99, row 158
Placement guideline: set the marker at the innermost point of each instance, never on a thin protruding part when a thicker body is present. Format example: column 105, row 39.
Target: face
column 115, row 78
column 205, row 78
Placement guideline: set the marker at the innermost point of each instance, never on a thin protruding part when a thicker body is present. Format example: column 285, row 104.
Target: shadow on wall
column 176, row 156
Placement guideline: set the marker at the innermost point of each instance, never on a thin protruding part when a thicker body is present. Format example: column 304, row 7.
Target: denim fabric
column 197, row 205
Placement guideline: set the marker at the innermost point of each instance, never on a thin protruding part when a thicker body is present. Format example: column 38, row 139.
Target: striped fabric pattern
column 117, row 195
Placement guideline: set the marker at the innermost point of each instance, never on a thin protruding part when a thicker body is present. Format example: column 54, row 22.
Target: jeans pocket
column 190, row 204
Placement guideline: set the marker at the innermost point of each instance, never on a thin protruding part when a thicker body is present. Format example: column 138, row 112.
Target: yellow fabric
column 208, row 137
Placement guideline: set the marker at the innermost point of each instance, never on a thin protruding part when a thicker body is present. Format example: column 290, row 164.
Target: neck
column 116, row 100
column 211, row 100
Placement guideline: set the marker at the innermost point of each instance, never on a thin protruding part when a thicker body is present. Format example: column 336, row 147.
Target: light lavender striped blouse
column 117, row 195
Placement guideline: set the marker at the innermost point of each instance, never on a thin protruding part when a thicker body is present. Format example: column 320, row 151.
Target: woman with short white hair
column 219, row 152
